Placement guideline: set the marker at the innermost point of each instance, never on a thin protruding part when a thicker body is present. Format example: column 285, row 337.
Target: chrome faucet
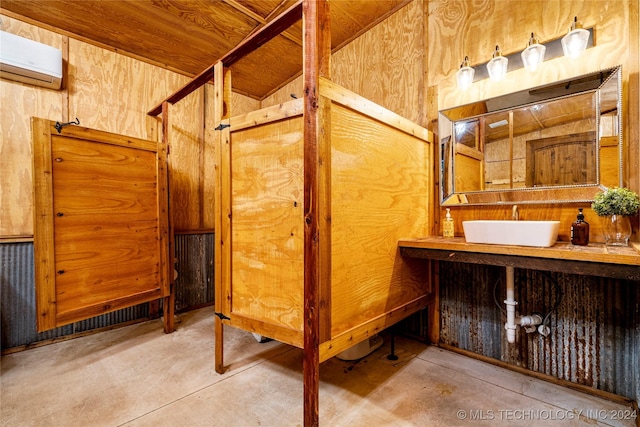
column 515, row 215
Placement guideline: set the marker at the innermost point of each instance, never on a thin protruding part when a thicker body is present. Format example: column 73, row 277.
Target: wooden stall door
column 101, row 223
column 266, row 283
column 548, row 160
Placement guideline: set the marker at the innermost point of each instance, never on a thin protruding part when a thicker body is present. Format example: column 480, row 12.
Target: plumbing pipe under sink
column 528, row 322
column 511, row 303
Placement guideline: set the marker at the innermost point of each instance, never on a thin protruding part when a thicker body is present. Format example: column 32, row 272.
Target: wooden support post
column 169, row 303
column 222, row 250
column 316, row 59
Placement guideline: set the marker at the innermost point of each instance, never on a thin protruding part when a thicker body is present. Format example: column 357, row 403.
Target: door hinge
column 223, row 126
column 222, row 316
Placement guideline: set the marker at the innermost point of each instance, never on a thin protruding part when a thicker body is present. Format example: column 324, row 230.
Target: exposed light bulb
column 575, row 42
column 533, row 55
column 497, row 67
column 465, row 74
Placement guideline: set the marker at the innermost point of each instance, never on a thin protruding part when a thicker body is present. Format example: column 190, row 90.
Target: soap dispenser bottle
column 448, row 226
column 580, row 230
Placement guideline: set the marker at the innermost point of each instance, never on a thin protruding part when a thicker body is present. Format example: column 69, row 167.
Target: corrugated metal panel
column 469, row 317
column 194, row 263
column 18, row 302
column 194, row 288
column 635, row 354
column 594, row 337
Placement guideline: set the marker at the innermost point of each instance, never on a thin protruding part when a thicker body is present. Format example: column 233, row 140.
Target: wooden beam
column 163, row 158
column 263, row 21
column 250, row 44
column 598, row 269
column 195, row 83
column 316, row 59
column 44, row 254
column 266, row 33
column 222, row 249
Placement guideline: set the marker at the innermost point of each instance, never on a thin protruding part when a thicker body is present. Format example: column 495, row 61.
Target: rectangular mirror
column 555, row 143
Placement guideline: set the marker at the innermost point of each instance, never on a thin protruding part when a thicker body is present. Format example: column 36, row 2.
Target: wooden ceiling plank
column 280, row 8
column 262, row 21
column 183, row 35
column 266, row 33
column 93, row 42
column 186, row 36
column 288, row 34
column 265, row 69
column 371, row 24
column 237, row 6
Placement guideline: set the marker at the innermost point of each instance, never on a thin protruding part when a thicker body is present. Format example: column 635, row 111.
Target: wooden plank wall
column 19, row 102
column 378, row 195
column 461, row 27
column 111, row 92
column 105, row 90
column 385, row 65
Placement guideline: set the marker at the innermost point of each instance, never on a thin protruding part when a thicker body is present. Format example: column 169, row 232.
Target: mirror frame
column 545, row 194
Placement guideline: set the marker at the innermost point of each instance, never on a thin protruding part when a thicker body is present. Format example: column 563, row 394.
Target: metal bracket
column 222, row 126
column 222, row 316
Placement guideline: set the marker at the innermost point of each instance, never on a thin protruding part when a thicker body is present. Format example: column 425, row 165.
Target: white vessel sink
column 523, row 233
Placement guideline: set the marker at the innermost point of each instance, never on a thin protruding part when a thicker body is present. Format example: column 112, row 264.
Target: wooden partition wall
column 312, row 198
column 374, row 184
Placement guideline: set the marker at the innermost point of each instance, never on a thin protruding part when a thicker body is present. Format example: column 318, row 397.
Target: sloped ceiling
column 187, row 36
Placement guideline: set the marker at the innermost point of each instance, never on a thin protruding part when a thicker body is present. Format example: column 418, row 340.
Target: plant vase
column 617, row 230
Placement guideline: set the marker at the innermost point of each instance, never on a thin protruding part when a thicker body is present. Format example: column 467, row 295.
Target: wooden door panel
column 267, row 264
column 562, row 160
column 101, row 236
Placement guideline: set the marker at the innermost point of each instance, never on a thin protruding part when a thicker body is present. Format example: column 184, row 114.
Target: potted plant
column 615, row 206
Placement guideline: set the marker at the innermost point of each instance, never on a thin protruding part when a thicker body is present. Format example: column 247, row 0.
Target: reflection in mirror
column 555, row 143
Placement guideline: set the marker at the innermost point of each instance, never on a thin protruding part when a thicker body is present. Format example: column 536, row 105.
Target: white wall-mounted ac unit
column 30, row 62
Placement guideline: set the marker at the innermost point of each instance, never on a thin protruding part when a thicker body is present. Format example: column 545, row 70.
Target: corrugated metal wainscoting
column 194, row 288
column 594, row 323
column 194, row 263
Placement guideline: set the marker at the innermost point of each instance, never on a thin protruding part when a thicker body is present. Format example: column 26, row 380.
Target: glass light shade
column 465, row 74
column 574, row 43
column 533, row 56
column 497, row 68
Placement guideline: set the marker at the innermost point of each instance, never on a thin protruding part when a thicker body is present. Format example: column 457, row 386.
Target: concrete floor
column 138, row 376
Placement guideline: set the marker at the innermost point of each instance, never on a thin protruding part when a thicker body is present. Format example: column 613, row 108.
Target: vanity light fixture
column 575, row 42
column 533, row 55
column 550, row 49
column 497, row 67
column 464, row 76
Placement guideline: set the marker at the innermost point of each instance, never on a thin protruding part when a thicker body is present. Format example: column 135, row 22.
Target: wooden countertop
column 595, row 259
